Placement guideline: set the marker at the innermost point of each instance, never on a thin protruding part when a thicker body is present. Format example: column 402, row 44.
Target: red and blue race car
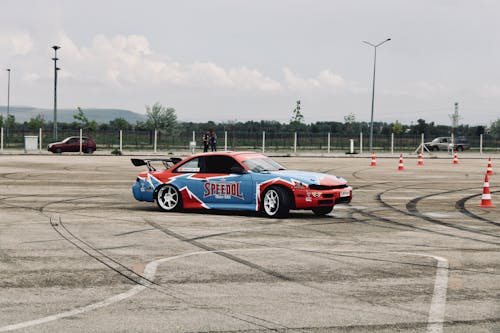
column 237, row 181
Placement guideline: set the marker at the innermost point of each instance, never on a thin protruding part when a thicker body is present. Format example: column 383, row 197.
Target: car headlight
column 299, row 185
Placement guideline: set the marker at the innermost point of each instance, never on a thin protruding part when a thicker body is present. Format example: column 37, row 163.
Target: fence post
column 40, row 139
column 392, row 143
column 1, row 139
column 361, row 142
column 194, row 137
column 81, row 141
column 263, row 142
column 295, row 142
column 422, row 145
column 480, row 144
column 225, row 140
column 328, row 145
column 121, row 141
column 155, row 140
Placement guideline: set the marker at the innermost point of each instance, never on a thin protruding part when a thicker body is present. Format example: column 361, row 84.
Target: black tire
column 168, row 198
column 89, row 150
column 58, row 151
column 435, row 148
column 460, row 148
column 320, row 211
column 276, row 202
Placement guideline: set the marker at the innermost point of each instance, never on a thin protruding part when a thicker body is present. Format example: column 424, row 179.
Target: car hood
column 310, row 178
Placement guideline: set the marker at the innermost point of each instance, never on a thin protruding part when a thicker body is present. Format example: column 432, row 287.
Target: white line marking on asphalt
column 434, row 322
column 438, row 303
column 149, row 273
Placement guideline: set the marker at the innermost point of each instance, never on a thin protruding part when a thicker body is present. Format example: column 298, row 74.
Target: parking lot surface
column 413, row 252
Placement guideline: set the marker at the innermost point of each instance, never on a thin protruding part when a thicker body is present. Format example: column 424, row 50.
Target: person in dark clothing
column 213, row 140
column 206, row 141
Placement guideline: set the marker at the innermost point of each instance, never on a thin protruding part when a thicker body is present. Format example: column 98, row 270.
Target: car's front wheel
column 320, row 211
column 276, row 202
column 435, row 148
column 168, row 198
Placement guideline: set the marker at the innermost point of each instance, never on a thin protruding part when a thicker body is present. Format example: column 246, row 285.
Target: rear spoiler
column 167, row 162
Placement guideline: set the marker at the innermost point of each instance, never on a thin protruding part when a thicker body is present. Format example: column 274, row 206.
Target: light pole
column 55, row 47
column 373, row 86
column 8, row 92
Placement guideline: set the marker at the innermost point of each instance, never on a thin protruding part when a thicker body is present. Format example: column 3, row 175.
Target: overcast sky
column 229, row 60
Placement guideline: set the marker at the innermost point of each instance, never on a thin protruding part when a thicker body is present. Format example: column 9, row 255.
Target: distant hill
column 25, row 113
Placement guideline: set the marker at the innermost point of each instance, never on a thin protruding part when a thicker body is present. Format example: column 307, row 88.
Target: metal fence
column 232, row 140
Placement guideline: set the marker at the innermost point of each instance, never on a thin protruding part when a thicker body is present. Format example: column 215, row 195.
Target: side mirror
column 238, row 170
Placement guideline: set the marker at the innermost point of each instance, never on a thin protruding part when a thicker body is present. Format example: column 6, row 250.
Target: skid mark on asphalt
column 435, row 318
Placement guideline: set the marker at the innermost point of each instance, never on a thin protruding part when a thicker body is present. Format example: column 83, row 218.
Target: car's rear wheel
column 320, row 211
column 89, row 150
column 276, row 202
column 460, row 148
column 168, row 198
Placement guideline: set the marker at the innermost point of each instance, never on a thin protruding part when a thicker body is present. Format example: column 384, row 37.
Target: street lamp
column 373, row 87
column 8, row 93
column 55, row 47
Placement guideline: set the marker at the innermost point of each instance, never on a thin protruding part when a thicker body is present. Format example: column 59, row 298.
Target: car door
column 222, row 186
column 209, row 178
column 73, row 145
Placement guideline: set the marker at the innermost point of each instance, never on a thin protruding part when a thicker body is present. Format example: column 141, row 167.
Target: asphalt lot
column 413, row 252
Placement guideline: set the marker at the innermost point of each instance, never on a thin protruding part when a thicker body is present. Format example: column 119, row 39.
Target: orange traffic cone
column 374, row 160
column 401, row 166
column 486, row 197
column 489, row 170
column 455, row 158
column 420, row 159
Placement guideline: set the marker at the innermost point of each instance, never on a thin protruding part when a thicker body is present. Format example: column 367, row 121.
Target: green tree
column 397, row 128
column 297, row 117
column 10, row 122
column 36, row 122
column 120, row 124
column 83, row 121
column 494, row 128
column 349, row 120
column 160, row 118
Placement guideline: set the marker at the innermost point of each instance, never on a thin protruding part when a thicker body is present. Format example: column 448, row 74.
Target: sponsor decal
column 223, row 190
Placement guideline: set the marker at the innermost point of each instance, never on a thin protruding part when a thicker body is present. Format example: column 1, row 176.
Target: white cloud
column 16, row 43
column 129, row 60
column 325, row 80
column 490, row 90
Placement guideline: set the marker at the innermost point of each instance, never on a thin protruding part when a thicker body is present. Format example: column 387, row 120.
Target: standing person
column 206, row 141
column 213, row 140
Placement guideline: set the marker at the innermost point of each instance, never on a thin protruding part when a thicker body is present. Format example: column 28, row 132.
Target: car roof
column 237, row 155
column 76, row 137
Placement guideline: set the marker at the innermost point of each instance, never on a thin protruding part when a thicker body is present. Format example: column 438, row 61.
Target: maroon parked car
column 72, row 144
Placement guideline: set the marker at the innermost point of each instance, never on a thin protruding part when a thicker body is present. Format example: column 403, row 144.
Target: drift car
column 237, row 181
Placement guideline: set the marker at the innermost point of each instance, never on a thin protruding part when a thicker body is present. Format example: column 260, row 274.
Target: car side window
column 220, row 164
column 195, row 165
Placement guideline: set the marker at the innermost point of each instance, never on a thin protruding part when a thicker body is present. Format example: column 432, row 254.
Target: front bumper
column 308, row 199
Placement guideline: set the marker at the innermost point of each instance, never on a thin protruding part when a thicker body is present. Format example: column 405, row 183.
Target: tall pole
column 8, row 92
column 373, row 85
column 55, row 47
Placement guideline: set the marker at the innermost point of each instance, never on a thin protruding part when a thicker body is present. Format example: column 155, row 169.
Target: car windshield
column 263, row 164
